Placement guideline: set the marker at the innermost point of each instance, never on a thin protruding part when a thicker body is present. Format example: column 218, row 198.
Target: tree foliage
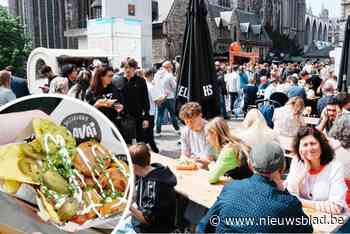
column 14, row 45
column 282, row 43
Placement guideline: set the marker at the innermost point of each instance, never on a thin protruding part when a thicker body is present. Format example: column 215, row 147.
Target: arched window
column 308, row 35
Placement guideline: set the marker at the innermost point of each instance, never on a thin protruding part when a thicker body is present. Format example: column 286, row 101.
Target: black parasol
column 197, row 76
column 344, row 75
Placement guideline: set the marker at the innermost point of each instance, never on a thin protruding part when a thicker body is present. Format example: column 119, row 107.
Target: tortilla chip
column 9, row 157
column 11, row 186
column 48, row 209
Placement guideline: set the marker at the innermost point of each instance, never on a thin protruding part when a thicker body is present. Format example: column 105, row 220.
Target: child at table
column 230, row 148
column 193, row 140
column 155, row 199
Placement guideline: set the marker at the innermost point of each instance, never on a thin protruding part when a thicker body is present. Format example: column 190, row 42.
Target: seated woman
column 229, row 146
column 340, row 139
column 287, row 120
column 256, row 129
column 314, row 176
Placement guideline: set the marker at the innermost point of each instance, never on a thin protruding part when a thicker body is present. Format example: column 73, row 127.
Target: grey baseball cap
column 267, row 157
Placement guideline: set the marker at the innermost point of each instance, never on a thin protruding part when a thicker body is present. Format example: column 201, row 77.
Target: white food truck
column 56, row 58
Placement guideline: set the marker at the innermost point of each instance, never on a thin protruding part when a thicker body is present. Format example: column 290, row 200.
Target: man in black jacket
column 136, row 103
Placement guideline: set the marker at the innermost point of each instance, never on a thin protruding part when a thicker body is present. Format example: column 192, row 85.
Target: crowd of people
column 134, row 99
column 317, row 178
column 272, row 98
column 255, row 157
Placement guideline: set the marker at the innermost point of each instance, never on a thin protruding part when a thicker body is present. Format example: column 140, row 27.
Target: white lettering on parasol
column 183, row 92
column 208, row 90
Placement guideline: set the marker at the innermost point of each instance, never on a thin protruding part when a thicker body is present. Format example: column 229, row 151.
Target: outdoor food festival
column 174, row 116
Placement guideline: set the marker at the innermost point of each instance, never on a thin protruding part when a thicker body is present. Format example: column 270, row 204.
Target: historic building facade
column 55, row 23
column 345, row 8
column 77, row 14
column 169, row 21
column 319, row 28
column 341, row 24
column 43, row 21
column 284, row 16
column 229, row 20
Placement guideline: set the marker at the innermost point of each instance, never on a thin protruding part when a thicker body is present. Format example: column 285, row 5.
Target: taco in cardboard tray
column 185, row 164
column 73, row 183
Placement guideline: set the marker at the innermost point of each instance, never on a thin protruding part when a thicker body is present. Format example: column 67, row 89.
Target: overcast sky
column 3, row 2
column 332, row 5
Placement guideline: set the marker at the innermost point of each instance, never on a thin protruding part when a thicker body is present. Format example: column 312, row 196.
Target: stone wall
column 173, row 31
column 158, row 50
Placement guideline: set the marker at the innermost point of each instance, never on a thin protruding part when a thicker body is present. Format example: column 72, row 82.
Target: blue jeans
column 233, row 97
column 223, row 106
column 168, row 104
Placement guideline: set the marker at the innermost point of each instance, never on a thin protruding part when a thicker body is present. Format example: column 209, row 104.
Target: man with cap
column 249, row 205
column 295, row 90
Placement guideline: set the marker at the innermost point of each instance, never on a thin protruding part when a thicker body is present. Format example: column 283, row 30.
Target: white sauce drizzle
column 117, row 204
column 94, row 150
column 58, row 140
column 78, row 194
column 124, row 170
column 59, row 201
column 86, row 162
column 93, row 207
column 99, row 148
column 80, row 176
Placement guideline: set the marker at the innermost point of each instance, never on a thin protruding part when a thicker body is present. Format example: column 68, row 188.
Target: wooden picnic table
column 192, row 184
column 195, row 186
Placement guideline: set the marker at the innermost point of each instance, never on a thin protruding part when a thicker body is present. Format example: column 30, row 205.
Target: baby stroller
column 267, row 109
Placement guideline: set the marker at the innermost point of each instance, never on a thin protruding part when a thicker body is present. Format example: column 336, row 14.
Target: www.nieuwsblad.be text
column 274, row 221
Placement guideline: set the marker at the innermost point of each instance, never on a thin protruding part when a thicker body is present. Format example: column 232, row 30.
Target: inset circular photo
column 65, row 162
